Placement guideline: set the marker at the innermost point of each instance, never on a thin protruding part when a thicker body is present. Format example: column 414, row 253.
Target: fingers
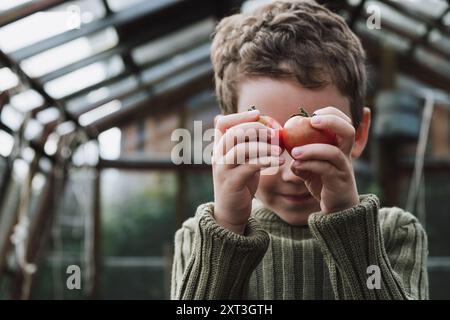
column 323, row 152
column 246, row 171
column 341, row 127
column 249, row 131
column 341, row 182
column 223, row 122
column 245, row 160
column 249, row 152
column 335, row 111
column 304, row 169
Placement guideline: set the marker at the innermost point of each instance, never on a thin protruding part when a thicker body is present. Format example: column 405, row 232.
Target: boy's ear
column 362, row 134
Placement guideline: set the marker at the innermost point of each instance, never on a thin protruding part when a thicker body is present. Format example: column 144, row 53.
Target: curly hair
column 285, row 39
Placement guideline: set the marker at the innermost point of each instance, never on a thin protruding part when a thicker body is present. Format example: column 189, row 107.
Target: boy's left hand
column 326, row 169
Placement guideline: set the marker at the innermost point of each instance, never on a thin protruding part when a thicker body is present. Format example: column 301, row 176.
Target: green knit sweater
column 328, row 259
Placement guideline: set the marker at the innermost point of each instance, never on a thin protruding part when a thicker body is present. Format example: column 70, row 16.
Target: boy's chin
column 297, row 219
column 297, row 215
column 292, row 211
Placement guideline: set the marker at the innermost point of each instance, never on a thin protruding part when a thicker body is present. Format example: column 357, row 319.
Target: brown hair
column 295, row 38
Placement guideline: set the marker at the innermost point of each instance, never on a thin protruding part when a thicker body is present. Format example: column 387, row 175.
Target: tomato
column 273, row 124
column 270, row 122
column 298, row 131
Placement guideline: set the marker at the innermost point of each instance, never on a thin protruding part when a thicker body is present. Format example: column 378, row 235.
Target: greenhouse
column 96, row 97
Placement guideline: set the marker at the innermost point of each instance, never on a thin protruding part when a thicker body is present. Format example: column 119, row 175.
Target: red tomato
column 298, row 131
column 270, row 122
column 273, row 124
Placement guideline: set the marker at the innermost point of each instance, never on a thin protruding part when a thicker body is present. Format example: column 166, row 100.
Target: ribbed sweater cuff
column 351, row 240
column 222, row 261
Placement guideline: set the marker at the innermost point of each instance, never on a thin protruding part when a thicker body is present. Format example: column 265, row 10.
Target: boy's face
column 284, row 192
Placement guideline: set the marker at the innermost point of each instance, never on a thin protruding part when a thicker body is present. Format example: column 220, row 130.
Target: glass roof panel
column 397, row 18
column 8, row 79
column 26, row 100
column 109, row 143
column 7, row 143
column 117, row 88
column 435, row 62
column 48, row 115
column 446, row 19
column 11, row 4
column 100, row 112
column 45, row 24
column 429, row 8
column 174, row 41
column 69, row 53
column 11, row 117
column 84, row 77
column 441, row 41
column 33, row 129
column 117, row 5
column 387, row 37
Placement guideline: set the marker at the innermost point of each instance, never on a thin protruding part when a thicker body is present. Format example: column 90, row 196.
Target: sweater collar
column 277, row 226
column 262, row 213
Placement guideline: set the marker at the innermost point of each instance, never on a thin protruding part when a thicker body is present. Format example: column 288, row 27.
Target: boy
column 302, row 232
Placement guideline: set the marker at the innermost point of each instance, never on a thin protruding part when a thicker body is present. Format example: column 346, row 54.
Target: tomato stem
column 301, row 112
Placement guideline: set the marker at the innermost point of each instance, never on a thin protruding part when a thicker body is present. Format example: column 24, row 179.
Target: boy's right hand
column 241, row 149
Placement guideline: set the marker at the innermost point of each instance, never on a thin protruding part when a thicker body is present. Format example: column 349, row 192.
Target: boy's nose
column 286, row 173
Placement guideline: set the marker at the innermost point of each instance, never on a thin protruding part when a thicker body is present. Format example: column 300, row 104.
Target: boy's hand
column 241, row 150
column 326, row 169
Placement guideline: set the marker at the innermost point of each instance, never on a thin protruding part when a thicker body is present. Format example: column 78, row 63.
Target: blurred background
column 91, row 91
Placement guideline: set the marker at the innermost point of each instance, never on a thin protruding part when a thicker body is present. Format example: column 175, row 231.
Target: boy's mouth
column 297, row 198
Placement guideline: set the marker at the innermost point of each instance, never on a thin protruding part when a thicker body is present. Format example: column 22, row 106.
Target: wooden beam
column 440, row 132
column 40, row 225
column 107, row 7
column 170, row 19
column 4, row 99
column 5, row 245
column 181, row 197
column 436, row 165
column 181, row 177
column 39, row 232
column 150, row 164
column 36, row 145
column 4, row 182
column 225, row 8
column 96, row 249
column 34, row 84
